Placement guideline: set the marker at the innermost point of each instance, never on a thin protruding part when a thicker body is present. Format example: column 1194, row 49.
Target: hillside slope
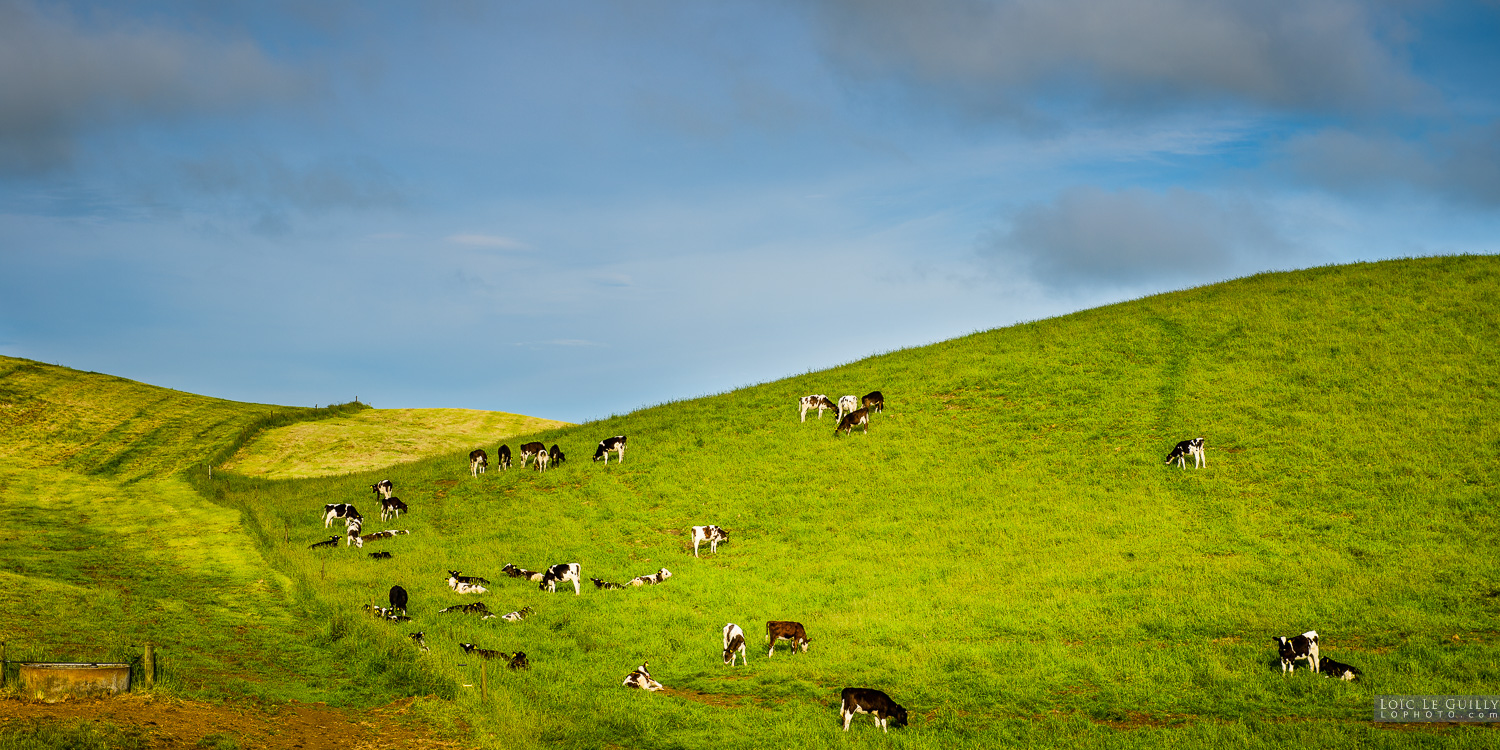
column 1004, row 551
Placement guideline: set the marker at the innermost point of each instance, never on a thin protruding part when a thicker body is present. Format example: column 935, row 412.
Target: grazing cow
column 478, row 461
column 615, row 444
column 847, row 404
column 420, row 639
column 515, row 572
column 483, row 653
column 1186, row 448
column 472, row 608
column 859, row 418
column 332, row 541
column 517, row 615
column 398, row 598
column 601, row 584
column 563, row 572
column 873, row 401
column 885, row 711
column 378, row 555
column 734, row 645
column 391, row 507
column 711, row 534
column 1340, row 670
column 530, row 450
column 542, row 459
column 557, row 455
column 640, row 678
column 454, row 578
column 1303, row 646
column 383, row 489
column 519, row 661
column 816, row 401
column 502, row 457
column 345, row 511
column 781, row 630
column 651, row 580
column 352, row 528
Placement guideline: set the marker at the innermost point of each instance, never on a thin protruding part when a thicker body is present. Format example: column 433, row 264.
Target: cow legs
column 695, row 548
column 847, row 715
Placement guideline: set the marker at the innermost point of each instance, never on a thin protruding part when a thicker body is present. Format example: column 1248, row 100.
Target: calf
column 1186, row 448
column 515, row 572
column 651, row 580
column 853, row 419
column 459, row 587
column 387, row 534
column 455, row 578
column 885, row 711
column 530, row 450
column 378, row 555
column 483, row 653
column 711, row 534
column 817, row 401
column 1303, row 646
column 519, row 661
column 502, row 457
column 1331, row 668
column 472, row 608
column 599, row 584
column 563, row 572
column 386, row 613
column 478, row 461
column 781, row 630
column 615, row 444
column 518, row 615
column 391, row 507
column 420, row 640
column 734, row 645
column 398, row 598
column 640, row 678
column 873, row 401
column 557, row 455
column 352, row 527
column 338, row 510
column 847, row 404
column 383, row 489
column 332, row 541
column 542, row 459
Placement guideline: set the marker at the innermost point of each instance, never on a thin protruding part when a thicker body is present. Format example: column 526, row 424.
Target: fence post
column 148, row 665
column 4, row 662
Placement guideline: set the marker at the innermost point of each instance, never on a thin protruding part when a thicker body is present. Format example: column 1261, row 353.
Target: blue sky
column 573, row 209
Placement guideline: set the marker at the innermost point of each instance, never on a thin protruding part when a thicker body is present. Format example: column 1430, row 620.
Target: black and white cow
column 885, row 711
column 1185, row 449
column 517, row 615
column 352, row 527
column 378, row 555
column 816, row 401
column 383, row 489
column 640, row 678
column 542, row 459
column 615, row 444
column 391, row 507
column 472, row 608
column 502, row 457
column 873, row 401
column 478, row 461
column 1303, row 646
column 600, row 583
column 332, row 541
column 398, row 598
column 483, row 653
column 529, row 452
column 858, row 418
column 650, row 580
column 734, row 645
column 785, row 630
column 711, row 534
column 847, row 404
column 455, row 578
column 1339, row 670
column 459, row 587
column 514, row 572
column 562, row 572
column 420, row 639
column 338, row 510
column 557, row 455
column 386, row 613
column 519, row 661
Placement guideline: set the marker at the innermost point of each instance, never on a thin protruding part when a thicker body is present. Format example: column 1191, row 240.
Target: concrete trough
column 56, row 681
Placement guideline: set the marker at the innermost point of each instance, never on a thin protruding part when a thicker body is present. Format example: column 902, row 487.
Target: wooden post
column 148, row 665
column 484, row 679
column 4, row 663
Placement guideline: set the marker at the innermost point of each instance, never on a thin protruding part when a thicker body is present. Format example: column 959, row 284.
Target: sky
column 572, row 209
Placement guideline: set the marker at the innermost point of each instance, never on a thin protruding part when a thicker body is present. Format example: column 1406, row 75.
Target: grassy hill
column 1003, row 553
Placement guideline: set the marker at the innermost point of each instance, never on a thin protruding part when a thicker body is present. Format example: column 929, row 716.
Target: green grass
column 1004, row 553
column 73, row 735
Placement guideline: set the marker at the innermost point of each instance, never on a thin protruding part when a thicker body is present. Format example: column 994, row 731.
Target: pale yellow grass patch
column 377, row 438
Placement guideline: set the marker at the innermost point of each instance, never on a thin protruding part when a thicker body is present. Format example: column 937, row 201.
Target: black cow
column 478, row 461
column 502, row 457
column 859, row 418
column 557, row 455
column 391, row 507
column 873, row 401
column 1340, row 670
column 398, row 599
column 332, row 541
column 868, row 701
column 529, row 452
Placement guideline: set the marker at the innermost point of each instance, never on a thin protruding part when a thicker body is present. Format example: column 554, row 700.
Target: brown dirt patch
column 175, row 723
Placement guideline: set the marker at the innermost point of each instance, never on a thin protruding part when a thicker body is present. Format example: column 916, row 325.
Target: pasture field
column 1003, row 553
column 374, row 439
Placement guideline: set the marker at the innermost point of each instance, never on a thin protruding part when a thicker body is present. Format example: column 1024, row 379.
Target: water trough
column 55, row 681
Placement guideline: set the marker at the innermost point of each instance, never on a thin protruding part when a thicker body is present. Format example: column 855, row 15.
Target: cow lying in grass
column 386, row 613
column 472, row 608
column 640, row 678
column 332, row 541
column 651, row 580
column 517, row 615
column 598, row 583
column 1330, row 668
column 420, row 639
column 514, row 572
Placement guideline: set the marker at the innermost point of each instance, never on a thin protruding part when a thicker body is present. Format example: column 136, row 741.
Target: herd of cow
column 851, row 413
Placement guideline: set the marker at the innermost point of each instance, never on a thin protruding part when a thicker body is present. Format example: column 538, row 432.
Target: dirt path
column 175, row 723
